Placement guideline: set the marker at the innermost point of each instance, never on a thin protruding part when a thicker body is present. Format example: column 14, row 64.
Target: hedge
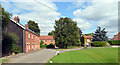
column 51, row 46
column 99, row 43
column 47, row 46
column 43, row 46
column 114, row 42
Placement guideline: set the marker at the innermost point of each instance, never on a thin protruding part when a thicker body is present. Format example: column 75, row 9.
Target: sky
column 87, row 13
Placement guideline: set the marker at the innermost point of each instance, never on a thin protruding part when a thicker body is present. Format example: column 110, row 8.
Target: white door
column 32, row 46
column 29, row 46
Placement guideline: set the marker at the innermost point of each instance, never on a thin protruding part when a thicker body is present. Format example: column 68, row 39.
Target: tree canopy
column 34, row 26
column 5, row 17
column 100, row 34
column 51, row 33
column 66, row 33
column 89, row 34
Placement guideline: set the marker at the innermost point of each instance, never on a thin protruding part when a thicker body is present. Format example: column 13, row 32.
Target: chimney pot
column 17, row 19
column 26, row 25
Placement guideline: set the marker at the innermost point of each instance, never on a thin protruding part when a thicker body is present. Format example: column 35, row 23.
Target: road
column 41, row 56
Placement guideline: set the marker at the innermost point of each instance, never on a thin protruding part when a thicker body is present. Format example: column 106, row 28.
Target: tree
column 89, row 34
column 100, row 35
column 80, row 32
column 66, row 33
column 41, row 42
column 51, row 33
column 34, row 26
column 5, row 18
column 9, row 44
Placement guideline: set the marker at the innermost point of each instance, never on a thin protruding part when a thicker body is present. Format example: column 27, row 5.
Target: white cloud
column 105, row 13
column 98, row 11
column 83, row 24
column 32, row 10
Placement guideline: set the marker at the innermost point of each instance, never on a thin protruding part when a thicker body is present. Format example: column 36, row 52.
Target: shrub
column 41, row 42
column 10, row 41
column 51, row 46
column 114, row 42
column 99, row 43
column 43, row 46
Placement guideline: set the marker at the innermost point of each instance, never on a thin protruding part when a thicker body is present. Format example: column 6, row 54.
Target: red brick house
column 28, row 39
column 87, row 40
column 32, row 41
column 117, row 37
column 47, row 39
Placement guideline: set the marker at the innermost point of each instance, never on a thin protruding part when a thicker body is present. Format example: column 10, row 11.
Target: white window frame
column 88, row 40
column 29, row 36
column 32, row 36
column 32, row 46
column 29, row 46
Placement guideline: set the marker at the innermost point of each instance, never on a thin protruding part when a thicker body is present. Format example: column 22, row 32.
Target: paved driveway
column 40, row 56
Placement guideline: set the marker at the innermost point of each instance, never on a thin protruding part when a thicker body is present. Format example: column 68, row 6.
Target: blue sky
column 88, row 14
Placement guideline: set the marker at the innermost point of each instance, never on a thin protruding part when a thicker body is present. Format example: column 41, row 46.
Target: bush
column 51, row 46
column 10, row 41
column 99, row 43
column 114, row 42
column 41, row 42
column 43, row 46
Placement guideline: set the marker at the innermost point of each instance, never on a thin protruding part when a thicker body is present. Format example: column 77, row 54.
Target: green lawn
column 92, row 55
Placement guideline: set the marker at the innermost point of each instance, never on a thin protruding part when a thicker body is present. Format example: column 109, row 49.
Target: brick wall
column 14, row 28
column 32, row 41
column 48, row 42
column 117, row 37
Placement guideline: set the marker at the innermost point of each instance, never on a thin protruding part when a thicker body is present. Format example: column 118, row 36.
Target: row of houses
column 88, row 39
column 28, row 39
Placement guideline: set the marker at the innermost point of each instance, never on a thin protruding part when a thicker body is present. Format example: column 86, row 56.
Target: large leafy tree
column 9, row 40
column 34, row 26
column 89, row 34
column 100, row 34
column 66, row 33
column 5, row 18
column 51, row 33
column 80, row 32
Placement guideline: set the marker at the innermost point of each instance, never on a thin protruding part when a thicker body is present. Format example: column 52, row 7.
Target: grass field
column 92, row 55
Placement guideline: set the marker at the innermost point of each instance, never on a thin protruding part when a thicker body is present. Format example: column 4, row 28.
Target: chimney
column 17, row 19
column 26, row 25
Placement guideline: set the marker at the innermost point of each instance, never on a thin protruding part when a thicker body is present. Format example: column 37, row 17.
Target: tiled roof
column 117, row 37
column 23, row 26
column 46, row 37
column 88, row 37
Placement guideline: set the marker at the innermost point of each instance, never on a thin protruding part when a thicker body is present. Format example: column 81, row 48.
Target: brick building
column 88, row 40
column 117, row 37
column 28, row 39
column 32, row 41
column 47, row 39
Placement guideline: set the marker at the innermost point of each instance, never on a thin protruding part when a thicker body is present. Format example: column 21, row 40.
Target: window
column 29, row 36
column 45, row 40
column 88, row 40
column 29, row 46
column 32, row 46
column 51, row 40
column 32, row 36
